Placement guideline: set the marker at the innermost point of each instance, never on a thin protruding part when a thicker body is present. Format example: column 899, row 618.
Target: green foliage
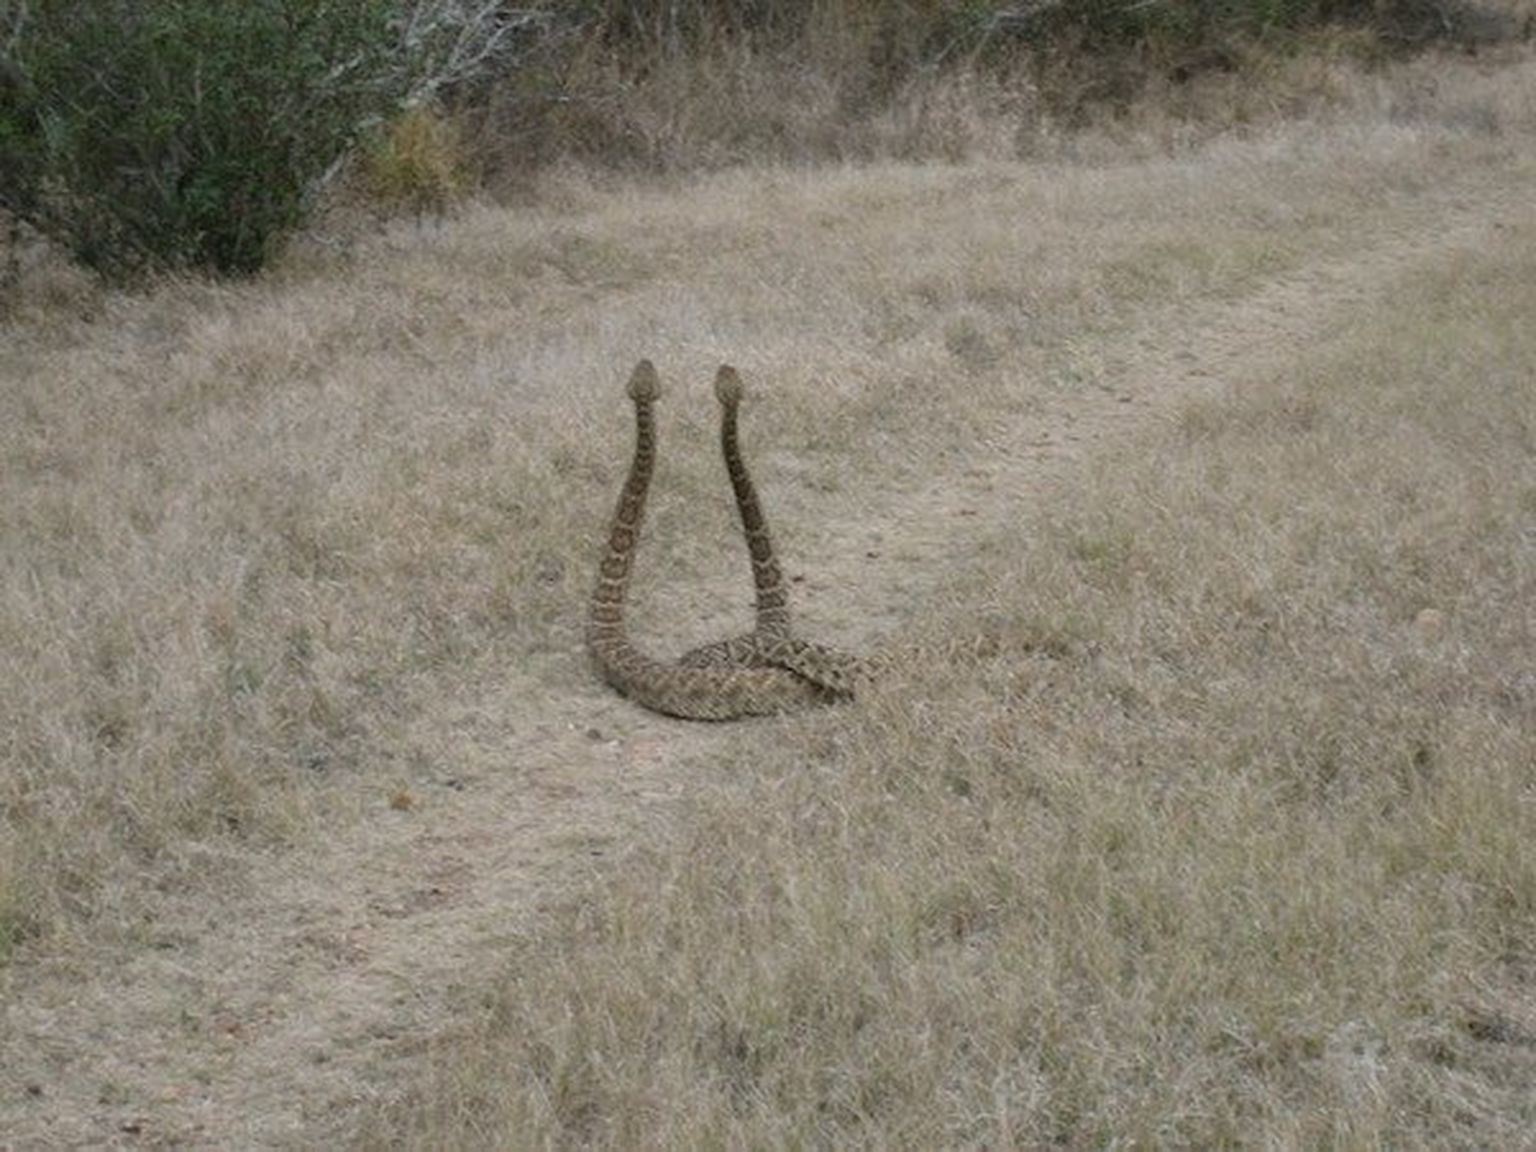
column 176, row 133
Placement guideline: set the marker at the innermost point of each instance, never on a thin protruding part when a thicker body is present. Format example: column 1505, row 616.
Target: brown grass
column 685, row 88
column 417, row 163
column 1204, row 817
column 1198, row 812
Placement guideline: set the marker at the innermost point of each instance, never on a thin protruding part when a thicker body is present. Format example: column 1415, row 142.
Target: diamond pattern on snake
column 766, row 671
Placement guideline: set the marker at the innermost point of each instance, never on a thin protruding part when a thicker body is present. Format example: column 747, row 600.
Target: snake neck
column 767, row 579
column 605, row 626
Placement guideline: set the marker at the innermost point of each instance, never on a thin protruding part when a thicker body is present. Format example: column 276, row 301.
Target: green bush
column 177, row 133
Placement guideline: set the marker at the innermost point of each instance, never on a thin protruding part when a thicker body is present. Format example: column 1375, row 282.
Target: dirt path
column 267, row 1019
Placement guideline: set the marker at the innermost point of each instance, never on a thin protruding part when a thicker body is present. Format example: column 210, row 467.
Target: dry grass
column 418, row 163
column 219, row 527
column 1193, row 827
column 703, row 87
column 1207, row 817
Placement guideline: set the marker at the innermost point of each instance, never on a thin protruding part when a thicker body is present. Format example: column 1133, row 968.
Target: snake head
column 644, row 384
column 728, row 389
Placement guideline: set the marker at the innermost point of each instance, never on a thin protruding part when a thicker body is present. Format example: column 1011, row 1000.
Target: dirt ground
column 353, row 954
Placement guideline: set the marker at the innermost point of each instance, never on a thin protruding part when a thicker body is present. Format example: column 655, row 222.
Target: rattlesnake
column 765, row 671
column 771, row 642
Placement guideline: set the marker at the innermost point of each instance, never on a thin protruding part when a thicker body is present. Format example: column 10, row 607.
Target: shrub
column 176, row 133
column 181, row 132
column 418, row 162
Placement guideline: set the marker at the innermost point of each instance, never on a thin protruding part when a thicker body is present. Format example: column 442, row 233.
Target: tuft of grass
column 418, row 163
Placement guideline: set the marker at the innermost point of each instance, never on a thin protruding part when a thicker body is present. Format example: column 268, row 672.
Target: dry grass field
column 1189, row 494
